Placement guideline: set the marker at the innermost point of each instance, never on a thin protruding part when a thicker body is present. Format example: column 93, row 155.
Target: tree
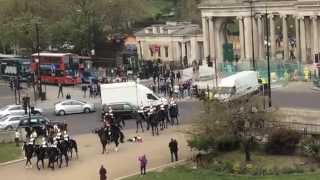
column 243, row 118
column 187, row 10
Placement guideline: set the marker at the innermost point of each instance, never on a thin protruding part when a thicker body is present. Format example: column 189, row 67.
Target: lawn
column 183, row 173
column 9, row 152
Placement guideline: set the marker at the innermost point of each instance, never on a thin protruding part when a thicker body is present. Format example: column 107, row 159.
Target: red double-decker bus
column 57, row 68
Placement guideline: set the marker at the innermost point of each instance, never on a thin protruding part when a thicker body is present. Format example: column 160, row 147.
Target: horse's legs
column 177, row 120
column 67, row 159
column 141, row 126
column 38, row 164
column 42, row 161
column 103, row 148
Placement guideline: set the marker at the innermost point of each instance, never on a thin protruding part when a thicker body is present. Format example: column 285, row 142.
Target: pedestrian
column 60, row 90
column 84, row 89
column 143, row 164
column 103, row 173
column 173, row 146
column 17, row 138
column 178, row 76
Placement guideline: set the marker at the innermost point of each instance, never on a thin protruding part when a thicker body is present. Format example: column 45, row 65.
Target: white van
column 237, row 85
column 130, row 92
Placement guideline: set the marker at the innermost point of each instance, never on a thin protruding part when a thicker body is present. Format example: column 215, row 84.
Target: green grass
column 9, row 152
column 183, row 173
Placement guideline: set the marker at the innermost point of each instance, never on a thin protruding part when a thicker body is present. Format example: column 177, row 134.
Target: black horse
column 104, row 138
column 41, row 153
column 72, row 145
column 54, row 156
column 108, row 135
column 63, row 146
column 28, row 152
column 154, row 122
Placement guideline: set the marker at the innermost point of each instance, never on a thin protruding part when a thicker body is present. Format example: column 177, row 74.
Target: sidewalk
column 118, row 164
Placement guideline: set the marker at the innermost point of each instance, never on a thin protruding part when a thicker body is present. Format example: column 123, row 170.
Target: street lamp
column 268, row 59
column 38, row 63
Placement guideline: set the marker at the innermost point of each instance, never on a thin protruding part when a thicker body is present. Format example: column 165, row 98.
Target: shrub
column 228, row 143
column 310, row 147
column 283, row 142
column 201, row 143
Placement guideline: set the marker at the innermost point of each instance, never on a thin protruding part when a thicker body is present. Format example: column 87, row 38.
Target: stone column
column 183, row 50
column 248, row 38
column 315, row 35
column 211, row 38
column 241, row 37
column 205, row 30
column 285, row 37
column 260, row 38
column 303, row 40
column 255, row 38
column 178, row 51
column 272, row 37
column 298, row 47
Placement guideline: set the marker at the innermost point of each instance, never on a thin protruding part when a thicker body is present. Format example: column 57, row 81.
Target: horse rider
column 174, row 112
column 44, row 143
column 59, row 135
column 66, row 136
column 33, row 137
column 55, row 128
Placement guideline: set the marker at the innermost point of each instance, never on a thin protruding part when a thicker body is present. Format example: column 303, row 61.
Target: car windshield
column 4, row 108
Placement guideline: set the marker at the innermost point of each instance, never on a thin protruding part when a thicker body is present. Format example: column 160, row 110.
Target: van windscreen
column 151, row 97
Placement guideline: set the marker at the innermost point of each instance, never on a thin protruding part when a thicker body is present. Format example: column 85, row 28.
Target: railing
column 305, row 128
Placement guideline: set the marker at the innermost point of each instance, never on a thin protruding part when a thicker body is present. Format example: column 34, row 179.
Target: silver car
column 10, row 122
column 16, row 110
column 73, row 106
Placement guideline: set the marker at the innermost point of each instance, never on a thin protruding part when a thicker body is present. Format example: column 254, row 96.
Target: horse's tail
column 121, row 137
column 75, row 146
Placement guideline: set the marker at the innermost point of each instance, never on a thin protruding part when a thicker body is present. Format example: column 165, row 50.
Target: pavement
column 118, row 164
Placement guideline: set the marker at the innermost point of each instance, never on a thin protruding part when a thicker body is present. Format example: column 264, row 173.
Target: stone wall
column 8, row 136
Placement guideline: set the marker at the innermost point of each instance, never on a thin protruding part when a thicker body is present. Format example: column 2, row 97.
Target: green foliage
column 283, row 142
column 5, row 148
column 202, row 143
column 310, row 147
column 228, row 143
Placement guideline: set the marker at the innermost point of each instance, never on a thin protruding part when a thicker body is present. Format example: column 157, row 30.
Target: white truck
column 129, row 92
column 237, row 85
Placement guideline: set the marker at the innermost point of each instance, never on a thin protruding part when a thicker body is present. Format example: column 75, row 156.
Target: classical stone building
column 178, row 42
column 252, row 16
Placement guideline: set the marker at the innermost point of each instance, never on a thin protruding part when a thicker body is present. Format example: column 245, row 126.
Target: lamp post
column 38, row 63
column 268, row 59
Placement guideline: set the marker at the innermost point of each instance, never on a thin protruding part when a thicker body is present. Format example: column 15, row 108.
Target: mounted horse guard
column 174, row 112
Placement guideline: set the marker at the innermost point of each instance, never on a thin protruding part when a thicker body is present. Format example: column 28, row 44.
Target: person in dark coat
column 103, row 173
column 173, row 146
column 60, row 90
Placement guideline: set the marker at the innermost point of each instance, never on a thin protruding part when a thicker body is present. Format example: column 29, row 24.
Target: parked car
column 17, row 110
column 73, row 106
column 122, row 110
column 10, row 122
column 35, row 121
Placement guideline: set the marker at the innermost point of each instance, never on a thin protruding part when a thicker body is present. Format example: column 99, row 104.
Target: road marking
column 12, row 162
column 153, row 169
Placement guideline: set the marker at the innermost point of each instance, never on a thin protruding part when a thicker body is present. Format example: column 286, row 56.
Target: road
column 297, row 95
column 85, row 123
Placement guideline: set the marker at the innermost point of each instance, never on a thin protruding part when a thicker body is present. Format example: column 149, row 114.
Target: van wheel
column 86, row 110
column 62, row 113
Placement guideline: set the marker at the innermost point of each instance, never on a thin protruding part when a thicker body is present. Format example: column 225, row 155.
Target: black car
column 121, row 110
column 36, row 121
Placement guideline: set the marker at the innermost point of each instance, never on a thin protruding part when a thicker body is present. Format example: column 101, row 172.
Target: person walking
column 103, row 173
column 17, row 138
column 143, row 164
column 84, row 89
column 173, row 146
column 60, row 90
column 178, row 76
